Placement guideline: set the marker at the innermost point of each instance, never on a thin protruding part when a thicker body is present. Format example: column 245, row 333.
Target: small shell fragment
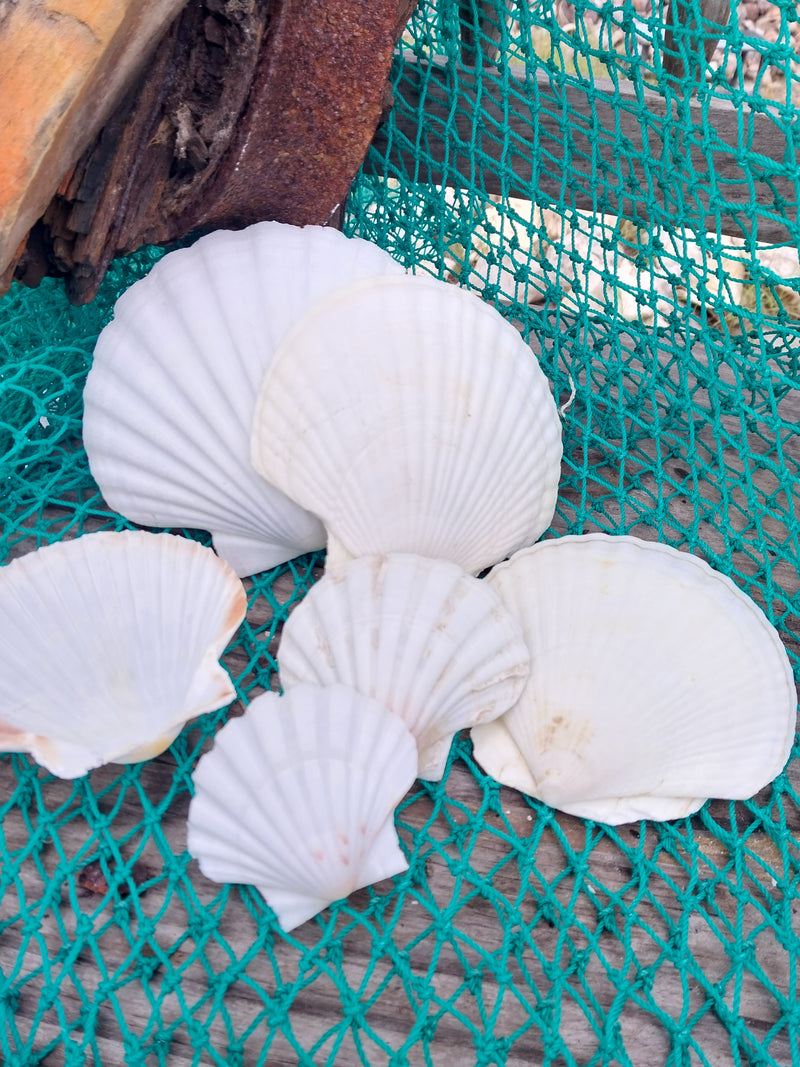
column 109, row 645
column 655, row 683
column 297, row 798
column 411, row 417
column 421, row 636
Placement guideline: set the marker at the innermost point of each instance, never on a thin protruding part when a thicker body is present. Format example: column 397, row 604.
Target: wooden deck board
column 574, row 927
column 602, row 145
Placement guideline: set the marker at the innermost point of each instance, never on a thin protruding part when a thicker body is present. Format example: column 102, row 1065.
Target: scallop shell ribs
column 297, row 798
column 421, row 636
column 169, row 399
column 411, row 417
column 109, row 644
column 655, row 684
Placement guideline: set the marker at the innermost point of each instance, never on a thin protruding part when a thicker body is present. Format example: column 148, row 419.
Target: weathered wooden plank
column 600, row 911
column 482, row 24
column 615, row 148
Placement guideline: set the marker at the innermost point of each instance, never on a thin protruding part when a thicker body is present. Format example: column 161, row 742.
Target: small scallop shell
column 411, row 417
column 169, row 399
column 297, row 798
column 422, row 637
column 655, row 683
column 109, row 644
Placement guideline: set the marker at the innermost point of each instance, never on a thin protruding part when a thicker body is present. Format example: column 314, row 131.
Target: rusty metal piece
column 316, row 100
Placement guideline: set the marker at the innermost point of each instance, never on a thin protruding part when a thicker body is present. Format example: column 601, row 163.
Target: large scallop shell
column 109, row 644
column 170, row 396
column 411, row 417
column 421, row 636
column 655, row 683
column 297, row 798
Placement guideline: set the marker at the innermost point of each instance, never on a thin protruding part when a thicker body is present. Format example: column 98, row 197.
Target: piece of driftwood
column 535, row 136
column 63, row 66
column 247, row 111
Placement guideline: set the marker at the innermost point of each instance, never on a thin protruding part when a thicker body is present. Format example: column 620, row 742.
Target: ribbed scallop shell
column 109, row 644
column 297, row 798
column 411, row 417
column 655, row 683
column 170, row 396
column 421, row 636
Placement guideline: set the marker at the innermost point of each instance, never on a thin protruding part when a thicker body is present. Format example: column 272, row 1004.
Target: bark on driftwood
column 247, row 110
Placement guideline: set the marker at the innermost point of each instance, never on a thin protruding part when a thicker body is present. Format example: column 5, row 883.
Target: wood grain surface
column 600, row 919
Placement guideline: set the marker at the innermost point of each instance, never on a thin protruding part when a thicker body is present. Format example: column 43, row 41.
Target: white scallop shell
column 411, row 417
column 170, row 396
column 421, row 636
column 655, row 684
column 297, row 798
column 109, row 644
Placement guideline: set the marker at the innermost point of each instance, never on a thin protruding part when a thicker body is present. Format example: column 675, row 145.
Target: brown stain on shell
column 563, row 732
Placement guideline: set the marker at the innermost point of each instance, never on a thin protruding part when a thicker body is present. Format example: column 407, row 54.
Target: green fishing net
column 655, row 274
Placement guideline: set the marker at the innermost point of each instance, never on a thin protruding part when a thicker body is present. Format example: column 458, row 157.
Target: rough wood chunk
column 248, row 110
column 63, row 66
